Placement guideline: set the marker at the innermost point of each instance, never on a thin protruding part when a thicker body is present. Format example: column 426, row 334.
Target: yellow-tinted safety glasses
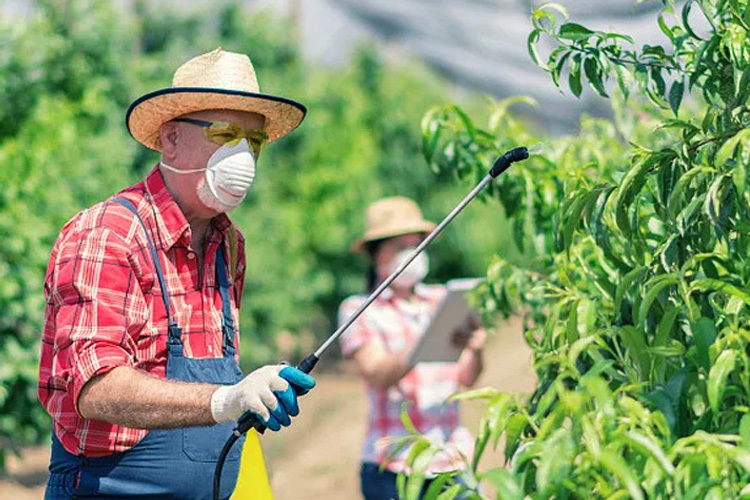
column 230, row 133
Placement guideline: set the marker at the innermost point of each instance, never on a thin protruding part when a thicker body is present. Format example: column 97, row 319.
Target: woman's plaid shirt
column 397, row 324
column 104, row 307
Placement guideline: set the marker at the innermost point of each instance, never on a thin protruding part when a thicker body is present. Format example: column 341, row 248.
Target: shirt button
column 210, row 349
column 191, row 255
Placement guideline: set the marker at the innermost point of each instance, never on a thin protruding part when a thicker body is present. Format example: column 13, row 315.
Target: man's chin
column 211, row 203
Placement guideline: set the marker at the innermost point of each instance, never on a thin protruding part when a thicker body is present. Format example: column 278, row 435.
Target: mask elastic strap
column 178, row 171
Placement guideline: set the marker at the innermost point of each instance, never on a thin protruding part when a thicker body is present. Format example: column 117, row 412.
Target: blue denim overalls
column 166, row 463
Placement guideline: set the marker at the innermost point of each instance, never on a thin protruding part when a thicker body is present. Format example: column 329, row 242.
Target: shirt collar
column 172, row 222
column 420, row 291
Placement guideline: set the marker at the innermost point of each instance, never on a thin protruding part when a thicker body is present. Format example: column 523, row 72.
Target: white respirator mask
column 230, row 172
column 414, row 272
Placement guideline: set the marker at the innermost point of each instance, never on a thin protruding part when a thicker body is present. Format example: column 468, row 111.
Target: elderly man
column 139, row 357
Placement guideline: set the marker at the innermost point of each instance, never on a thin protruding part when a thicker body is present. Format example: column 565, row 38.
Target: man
column 139, row 357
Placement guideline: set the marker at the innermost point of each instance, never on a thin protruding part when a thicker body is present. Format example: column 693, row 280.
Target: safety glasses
column 230, row 133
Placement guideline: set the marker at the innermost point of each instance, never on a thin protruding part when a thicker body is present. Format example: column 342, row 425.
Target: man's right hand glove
column 270, row 392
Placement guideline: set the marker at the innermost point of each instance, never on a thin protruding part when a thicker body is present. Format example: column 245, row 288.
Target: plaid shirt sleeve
column 95, row 297
column 359, row 333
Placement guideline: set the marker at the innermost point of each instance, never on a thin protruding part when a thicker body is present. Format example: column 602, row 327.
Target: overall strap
column 174, row 330
column 227, row 324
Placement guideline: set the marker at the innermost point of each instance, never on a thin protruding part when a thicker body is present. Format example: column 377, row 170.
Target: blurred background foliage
column 69, row 73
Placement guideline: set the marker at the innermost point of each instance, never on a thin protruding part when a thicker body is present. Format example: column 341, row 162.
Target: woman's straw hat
column 391, row 217
column 216, row 80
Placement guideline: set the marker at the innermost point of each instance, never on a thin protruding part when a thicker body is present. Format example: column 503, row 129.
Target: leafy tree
column 636, row 302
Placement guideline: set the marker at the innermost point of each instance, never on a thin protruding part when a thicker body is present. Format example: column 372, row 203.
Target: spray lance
column 250, row 420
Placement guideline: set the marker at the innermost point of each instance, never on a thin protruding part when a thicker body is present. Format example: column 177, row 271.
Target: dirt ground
column 318, row 456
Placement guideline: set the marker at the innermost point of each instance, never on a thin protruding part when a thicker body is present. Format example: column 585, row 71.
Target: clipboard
column 435, row 346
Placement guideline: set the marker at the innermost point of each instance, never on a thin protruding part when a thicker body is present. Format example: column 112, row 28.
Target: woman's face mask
column 230, row 172
column 414, row 273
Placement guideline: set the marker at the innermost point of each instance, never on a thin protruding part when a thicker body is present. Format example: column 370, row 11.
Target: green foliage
column 636, row 299
column 69, row 73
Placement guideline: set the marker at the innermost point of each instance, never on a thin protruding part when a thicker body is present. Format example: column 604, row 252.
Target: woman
column 382, row 338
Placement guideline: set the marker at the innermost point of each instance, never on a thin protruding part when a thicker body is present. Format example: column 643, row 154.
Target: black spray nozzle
column 307, row 364
column 505, row 161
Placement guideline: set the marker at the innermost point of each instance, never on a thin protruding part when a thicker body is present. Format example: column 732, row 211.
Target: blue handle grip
column 250, row 420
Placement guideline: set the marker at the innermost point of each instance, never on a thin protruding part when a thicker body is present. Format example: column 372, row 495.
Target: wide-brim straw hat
column 215, row 80
column 391, row 217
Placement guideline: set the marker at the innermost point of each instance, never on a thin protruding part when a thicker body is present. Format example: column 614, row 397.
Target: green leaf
column 677, row 196
column 653, row 288
column 665, row 28
column 617, row 466
column 480, row 444
column 431, row 132
column 626, row 284
column 594, row 76
column 720, row 286
column 658, row 80
column 451, row 493
column 672, row 349
column 408, row 425
column 632, row 183
column 531, row 46
column 504, row 483
column 572, row 217
column 556, row 461
column 704, row 332
column 419, row 459
column 665, row 326
column 634, row 341
column 574, row 32
column 675, row 95
column 401, row 485
column 717, row 378
column 574, row 75
column 745, row 431
column 516, row 425
column 686, row 19
column 727, row 149
column 648, row 446
column 554, row 6
column 578, row 347
column 624, row 80
column 571, row 329
column 662, row 401
column 436, row 486
column 481, row 393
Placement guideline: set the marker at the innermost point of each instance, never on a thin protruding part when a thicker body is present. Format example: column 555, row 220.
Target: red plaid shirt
column 104, row 306
column 398, row 323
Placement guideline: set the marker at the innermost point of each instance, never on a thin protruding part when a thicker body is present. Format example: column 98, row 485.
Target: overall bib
column 166, row 463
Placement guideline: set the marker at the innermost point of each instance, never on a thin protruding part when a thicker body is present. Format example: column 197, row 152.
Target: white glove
column 271, row 392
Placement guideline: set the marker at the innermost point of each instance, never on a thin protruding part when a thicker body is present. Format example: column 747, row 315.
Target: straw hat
column 216, row 80
column 391, row 217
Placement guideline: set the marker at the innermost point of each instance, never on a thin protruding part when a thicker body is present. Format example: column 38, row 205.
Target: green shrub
column 636, row 302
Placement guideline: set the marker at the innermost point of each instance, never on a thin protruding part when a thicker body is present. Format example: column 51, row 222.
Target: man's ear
column 168, row 135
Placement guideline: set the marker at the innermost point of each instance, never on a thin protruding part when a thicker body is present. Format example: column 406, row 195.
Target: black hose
column 220, row 462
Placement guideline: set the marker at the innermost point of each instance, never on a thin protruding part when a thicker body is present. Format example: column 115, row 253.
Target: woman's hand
column 471, row 335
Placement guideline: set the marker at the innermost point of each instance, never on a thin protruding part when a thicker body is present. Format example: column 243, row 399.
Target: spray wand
column 250, row 420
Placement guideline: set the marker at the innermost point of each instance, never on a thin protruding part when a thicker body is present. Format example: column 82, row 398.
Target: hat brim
column 359, row 245
column 149, row 112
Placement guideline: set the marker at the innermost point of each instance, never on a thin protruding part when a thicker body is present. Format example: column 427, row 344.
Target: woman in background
column 381, row 340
